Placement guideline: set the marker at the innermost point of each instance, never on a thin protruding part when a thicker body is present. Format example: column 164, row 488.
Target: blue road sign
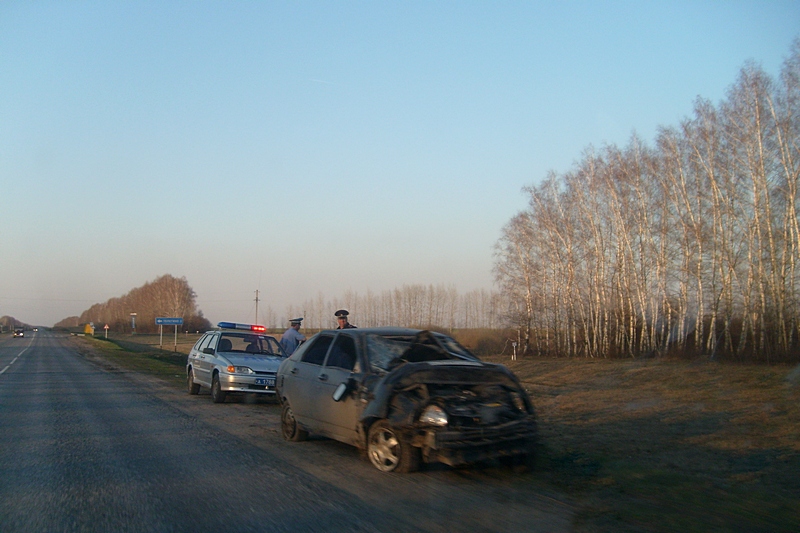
column 161, row 321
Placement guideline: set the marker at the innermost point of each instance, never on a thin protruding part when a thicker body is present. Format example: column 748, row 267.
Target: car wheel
column 193, row 387
column 388, row 452
column 217, row 394
column 289, row 426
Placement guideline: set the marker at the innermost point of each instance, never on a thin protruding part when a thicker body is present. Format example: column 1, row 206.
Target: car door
column 338, row 418
column 205, row 362
column 300, row 384
column 194, row 358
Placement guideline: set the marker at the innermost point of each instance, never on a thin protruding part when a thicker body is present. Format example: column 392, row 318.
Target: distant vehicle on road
column 19, row 332
column 237, row 358
column 406, row 396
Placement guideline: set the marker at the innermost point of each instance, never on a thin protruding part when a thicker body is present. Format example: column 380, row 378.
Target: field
column 671, row 446
column 647, row 445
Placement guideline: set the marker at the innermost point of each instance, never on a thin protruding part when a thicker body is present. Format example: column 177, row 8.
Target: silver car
column 237, row 358
column 407, row 397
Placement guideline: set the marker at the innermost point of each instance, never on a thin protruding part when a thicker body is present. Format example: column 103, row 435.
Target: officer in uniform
column 292, row 337
column 341, row 316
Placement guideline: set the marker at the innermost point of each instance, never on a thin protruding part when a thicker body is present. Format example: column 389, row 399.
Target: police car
column 236, row 358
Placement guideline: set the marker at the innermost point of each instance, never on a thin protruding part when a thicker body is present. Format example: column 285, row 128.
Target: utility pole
column 256, row 306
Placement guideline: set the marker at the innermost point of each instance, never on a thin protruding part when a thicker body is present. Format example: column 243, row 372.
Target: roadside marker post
column 163, row 321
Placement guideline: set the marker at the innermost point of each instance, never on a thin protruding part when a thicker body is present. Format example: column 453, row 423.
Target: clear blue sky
column 317, row 147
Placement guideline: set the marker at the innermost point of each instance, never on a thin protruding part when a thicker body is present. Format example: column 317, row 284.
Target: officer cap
column 295, row 321
column 341, row 313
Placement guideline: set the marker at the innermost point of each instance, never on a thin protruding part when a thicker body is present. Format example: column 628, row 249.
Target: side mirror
column 340, row 391
column 208, row 351
column 344, row 388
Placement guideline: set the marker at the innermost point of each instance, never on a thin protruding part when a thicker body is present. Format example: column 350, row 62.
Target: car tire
column 193, row 387
column 388, row 451
column 289, row 427
column 217, row 394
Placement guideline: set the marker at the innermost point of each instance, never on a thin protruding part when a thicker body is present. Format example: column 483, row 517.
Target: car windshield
column 385, row 351
column 249, row 344
column 452, row 346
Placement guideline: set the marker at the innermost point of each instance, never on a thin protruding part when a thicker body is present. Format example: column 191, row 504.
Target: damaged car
column 407, row 397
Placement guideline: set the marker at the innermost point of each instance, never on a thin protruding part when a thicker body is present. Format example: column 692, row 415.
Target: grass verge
column 139, row 357
column 670, row 446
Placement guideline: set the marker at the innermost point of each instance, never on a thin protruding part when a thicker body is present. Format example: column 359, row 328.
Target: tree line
column 166, row 296
column 8, row 323
column 687, row 245
column 414, row 305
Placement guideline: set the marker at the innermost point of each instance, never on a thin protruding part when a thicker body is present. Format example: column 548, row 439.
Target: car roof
column 374, row 331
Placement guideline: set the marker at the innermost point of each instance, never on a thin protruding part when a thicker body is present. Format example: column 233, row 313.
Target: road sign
column 162, row 321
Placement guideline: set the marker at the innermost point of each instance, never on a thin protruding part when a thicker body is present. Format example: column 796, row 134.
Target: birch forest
column 686, row 246
column 166, row 296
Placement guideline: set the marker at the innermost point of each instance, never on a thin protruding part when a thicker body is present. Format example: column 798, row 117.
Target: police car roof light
column 250, row 327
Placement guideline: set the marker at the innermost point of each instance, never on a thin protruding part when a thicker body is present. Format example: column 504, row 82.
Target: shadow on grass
column 640, row 473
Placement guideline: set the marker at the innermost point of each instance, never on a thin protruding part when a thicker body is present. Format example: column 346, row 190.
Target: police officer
column 292, row 337
column 341, row 316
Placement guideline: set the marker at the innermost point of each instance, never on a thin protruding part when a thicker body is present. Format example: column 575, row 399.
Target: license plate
column 269, row 382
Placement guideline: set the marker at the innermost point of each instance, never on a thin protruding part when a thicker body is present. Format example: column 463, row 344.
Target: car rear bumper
column 468, row 445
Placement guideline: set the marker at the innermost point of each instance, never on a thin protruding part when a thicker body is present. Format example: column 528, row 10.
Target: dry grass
column 150, row 342
column 668, row 446
column 131, row 355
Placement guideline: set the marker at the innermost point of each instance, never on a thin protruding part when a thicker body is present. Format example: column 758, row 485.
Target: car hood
column 259, row 363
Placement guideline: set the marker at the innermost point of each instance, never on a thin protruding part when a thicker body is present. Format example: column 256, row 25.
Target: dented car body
column 405, row 396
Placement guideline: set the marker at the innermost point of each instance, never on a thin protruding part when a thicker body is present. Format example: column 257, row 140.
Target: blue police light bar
column 248, row 327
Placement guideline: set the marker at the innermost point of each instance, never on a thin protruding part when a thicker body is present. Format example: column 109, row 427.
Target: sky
column 307, row 148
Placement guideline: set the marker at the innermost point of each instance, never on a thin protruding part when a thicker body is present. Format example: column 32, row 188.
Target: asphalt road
column 85, row 447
